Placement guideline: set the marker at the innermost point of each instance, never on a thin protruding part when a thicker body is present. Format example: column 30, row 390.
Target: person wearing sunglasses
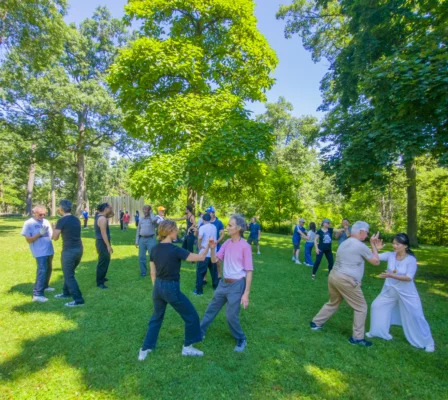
column 37, row 231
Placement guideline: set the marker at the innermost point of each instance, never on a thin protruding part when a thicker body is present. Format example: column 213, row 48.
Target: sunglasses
column 41, row 215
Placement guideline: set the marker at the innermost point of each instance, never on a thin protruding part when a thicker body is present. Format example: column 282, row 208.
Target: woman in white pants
column 399, row 302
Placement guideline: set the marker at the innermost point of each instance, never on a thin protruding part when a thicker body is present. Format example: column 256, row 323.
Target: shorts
column 253, row 240
column 296, row 246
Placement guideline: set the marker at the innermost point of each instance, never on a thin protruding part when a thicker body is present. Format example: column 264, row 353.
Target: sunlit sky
column 297, row 77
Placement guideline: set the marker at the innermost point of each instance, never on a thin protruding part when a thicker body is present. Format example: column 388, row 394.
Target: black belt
column 147, row 237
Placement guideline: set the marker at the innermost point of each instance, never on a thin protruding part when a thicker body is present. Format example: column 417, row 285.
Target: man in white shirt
column 207, row 231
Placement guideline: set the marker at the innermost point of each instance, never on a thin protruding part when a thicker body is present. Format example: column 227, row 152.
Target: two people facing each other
column 398, row 302
column 233, row 290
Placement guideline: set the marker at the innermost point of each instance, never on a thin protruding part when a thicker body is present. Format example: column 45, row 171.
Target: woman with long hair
column 399, row 302
column 165, row 264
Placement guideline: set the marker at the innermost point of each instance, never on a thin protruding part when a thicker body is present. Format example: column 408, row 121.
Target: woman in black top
column 165, row 263
column 188, row 242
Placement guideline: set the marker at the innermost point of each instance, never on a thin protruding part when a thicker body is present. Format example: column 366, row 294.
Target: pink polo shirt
column 237, row 257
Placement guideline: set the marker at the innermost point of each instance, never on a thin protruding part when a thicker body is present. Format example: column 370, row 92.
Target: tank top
column 98, row 230
column 189, row 225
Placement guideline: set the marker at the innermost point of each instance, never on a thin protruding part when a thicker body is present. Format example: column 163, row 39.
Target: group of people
column 398, row 302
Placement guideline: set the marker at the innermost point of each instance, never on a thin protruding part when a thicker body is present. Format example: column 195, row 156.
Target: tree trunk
column 53, row 193
column 411, row 175
column 80, row 164
column 201, row 202
column 30, row 185
column 192, row 199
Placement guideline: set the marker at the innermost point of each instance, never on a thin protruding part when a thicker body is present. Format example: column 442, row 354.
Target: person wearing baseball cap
column 160, row 214
column 298, row 234
column 218, row 224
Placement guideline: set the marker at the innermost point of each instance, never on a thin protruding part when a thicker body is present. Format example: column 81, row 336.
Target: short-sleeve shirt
column 43, row 246
column 219, row 226
column 168, row 259
column 312, row 236
column 237, row 257
column 350, row 258
column 207, row 232
column 85, row 214
column 254, row 229
column 343, row 236
column 70, row 228
column 296, row 235
column 126, row 218
column 325, row 239
column 406, row 267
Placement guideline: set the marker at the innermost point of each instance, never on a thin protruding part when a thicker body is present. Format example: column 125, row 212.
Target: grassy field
column 48, row 351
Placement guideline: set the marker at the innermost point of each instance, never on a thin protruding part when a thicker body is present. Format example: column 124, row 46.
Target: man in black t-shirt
column 70, row 228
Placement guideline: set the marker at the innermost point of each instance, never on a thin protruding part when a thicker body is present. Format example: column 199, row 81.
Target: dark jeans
column 85, row 222
column 188, row 243
column 201, row 272
column 103, row 261
column 329, row 255
column 70, row 259
column 43, row 274
column 231, row 294
column 121, row 224
column 168, row 292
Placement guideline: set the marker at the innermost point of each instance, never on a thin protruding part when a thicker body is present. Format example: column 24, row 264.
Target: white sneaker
column 298, row 262
column 430, row 349
column 49, row 289
column 369, row 335
column 143, row 353
column 293, row 259
column 40, row 299
column 191, row 351
column 258, row 252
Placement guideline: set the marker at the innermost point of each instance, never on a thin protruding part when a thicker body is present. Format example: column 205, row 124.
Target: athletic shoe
column 49, row 289
column 369, row 335
column 240, row 345
column 195, row 292
column 313, row 277
column 298, row 262
column 361, row 342
column 61, row 296
column 293, row 259
column 430, row 349
column 315, row 327
column 73, row 304
column 142, row 354
column 40, row 299
column 102, row 286
column 258, row 252
column 191, row 351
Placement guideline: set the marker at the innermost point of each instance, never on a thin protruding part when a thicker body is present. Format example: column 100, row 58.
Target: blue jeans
column 168, row 292
column 145, row 245
column 43, row 274
column 308, row 250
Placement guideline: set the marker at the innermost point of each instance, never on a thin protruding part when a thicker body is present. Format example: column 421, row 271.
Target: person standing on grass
column 399, row 302
column 310, row 244
column 37, row 231
column 344, row 281
column 344, row 233
column 137, row 217
column 218, row 224
column 188, row 243
column 207, row 232
column 85, row 216
column 145, row 237
column 234, row 289
column 103, row 244
column 255, row 234
column 70, row 228
column 126, row 219
column 298, row 234
column 165, row 264
column 121, row 219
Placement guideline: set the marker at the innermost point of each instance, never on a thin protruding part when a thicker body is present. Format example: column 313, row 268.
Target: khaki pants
column 341, row 286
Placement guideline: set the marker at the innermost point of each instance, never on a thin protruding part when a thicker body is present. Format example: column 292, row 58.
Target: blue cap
column 210, row 209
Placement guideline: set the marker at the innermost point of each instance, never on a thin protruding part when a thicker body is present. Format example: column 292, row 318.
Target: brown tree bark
column 411, row 175
column 80, row 163
column 192, row 198
column 30, row 185
column 53, row 193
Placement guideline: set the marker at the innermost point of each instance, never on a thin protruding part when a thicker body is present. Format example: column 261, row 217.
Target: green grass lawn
column 48, row 351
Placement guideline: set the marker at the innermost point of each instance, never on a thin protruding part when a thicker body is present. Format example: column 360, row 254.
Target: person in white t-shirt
column 206, row 232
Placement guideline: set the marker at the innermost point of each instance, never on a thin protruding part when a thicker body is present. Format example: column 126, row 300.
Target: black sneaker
column 361, row 342
column 315, row 327
column 102, row 286
column 240, row 345
column 74, row 304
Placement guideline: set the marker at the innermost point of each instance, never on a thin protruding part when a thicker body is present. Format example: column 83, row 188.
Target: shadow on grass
column 6, row 230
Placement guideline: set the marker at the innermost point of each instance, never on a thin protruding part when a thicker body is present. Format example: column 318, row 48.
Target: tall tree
column 183, row 83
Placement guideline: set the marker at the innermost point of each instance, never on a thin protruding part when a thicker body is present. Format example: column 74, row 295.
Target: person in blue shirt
column 85, row 215
column 255, row 234
column 298, row 234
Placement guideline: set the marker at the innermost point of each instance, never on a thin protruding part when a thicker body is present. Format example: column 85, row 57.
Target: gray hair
column 240, row 222
column 66, row 205
column 38, row 207
column 359, row 226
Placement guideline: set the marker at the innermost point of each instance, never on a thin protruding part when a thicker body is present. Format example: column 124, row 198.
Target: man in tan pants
column 344, row 281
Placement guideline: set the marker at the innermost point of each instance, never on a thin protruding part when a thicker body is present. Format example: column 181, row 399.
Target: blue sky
column 297, row 77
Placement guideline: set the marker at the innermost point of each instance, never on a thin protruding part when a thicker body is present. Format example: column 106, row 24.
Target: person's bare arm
column 102, row 223
column 245, row 296
column 152, row 268
column 32, row 239
column 56, row 234
column 387, row 274
column 316, row 243
column 221, row 236
column 193, row 257
column 375, row 243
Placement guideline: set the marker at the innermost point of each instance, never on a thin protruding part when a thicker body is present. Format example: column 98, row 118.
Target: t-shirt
column 70, row 228
column 168, row 259
column 42, row 246
column 325, row 239
column 407, row 267
column 219, row 226
column 237, row 257
column 343, row 236
column 85, row 214
column 206, row 232
column 350, row 258
column 312, row 236
column 296, row 235
column 254, row 229
column 126, row 218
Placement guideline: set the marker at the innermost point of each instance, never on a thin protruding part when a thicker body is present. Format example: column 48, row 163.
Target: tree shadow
column 6, row 230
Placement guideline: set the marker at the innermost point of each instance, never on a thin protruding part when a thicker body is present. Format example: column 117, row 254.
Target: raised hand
column 211, row 243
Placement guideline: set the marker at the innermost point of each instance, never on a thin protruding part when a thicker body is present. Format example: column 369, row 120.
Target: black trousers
column 201, row 272
column 328, row 254
column 121, row 224
column 188, row 243
column 103, row 261
column 85, row 222
column 70, row 259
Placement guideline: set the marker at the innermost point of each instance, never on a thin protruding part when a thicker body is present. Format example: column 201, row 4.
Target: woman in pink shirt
column 234, row 289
